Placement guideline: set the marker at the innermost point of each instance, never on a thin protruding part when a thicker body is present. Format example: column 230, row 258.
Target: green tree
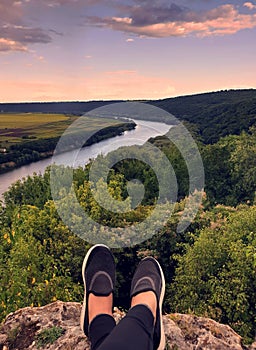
column 216, row 276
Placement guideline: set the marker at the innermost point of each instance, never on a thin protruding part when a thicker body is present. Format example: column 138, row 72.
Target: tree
column 216, row 276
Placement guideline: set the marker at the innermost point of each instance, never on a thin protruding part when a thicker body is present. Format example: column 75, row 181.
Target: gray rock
column 184, row 332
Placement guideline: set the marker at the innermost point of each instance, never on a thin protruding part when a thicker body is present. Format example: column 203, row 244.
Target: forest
column 216, row 114
column 210, row 267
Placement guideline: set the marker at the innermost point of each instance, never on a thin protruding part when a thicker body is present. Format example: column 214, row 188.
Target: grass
column 27, row 120
column 48, row 336
column 19, row 127
column 12, row 334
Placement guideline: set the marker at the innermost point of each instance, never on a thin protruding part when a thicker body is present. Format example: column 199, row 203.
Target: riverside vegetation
column 28, row 137
column 209, row 268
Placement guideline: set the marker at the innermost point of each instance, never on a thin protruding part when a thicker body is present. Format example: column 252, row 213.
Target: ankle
column 99, row 305
column 146, row 298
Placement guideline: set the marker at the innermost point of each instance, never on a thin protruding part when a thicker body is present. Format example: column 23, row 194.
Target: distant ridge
column 216, row 114
column 77, row 107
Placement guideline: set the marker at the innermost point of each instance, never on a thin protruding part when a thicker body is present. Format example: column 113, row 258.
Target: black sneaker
column 98, row 273
column 149, row 277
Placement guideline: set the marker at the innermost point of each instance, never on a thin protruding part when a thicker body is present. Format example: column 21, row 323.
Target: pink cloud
column 10, row 12
column 15, row 34
column 223, row 20
column 11, row 45
column 250, row 5
column 55, row 3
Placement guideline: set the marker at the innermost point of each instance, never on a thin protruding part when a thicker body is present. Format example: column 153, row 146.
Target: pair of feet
column 147, row 288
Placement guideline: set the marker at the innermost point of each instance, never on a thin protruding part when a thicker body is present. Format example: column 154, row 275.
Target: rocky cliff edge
column 56, row 326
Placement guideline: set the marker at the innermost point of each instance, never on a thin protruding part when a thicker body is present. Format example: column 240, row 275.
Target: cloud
column 9, row 12
column 249, row 5
column 147, row 14
column 16, row 38
column 129, row 40
column 25, row 35
column 15, row 34
column 158, row 22
column 56, row 3
column 11, row 45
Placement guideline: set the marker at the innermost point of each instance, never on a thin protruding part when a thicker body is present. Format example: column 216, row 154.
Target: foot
column 147, row 288
column 98, row 273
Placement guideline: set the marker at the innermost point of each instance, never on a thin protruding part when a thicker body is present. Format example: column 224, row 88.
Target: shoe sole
column 162, row 343
column 83, row 274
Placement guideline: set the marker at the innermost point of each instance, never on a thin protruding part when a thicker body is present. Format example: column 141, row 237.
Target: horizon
column 117, row 100
column 93, row 50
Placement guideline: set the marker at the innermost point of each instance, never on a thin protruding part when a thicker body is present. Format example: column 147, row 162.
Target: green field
column 18, row 128
column 29, row 137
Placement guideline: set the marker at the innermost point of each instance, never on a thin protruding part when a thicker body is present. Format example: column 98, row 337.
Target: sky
column 70, row 50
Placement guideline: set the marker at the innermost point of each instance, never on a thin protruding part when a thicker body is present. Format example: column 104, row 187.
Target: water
column 140, row 135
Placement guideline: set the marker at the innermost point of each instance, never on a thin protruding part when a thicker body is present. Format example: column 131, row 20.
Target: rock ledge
column 183, row 332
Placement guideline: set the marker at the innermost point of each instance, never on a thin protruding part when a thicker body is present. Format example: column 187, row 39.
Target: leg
column 100, row 328
column 98, row 273
column 101, row 321
column 141, row 328
column 133, row 332
column 149, row 280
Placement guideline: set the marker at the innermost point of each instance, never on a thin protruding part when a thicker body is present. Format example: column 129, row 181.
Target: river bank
column 33, row 151
column 143, row 132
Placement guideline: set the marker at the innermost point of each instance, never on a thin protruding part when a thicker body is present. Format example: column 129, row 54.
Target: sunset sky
column 59, row 50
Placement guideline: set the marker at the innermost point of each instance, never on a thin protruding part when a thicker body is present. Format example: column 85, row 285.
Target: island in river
column 29, row 137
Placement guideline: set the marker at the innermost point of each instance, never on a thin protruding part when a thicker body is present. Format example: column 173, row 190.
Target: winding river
column 140, row 135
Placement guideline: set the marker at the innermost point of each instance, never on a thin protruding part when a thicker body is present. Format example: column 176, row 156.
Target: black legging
column 133, row 332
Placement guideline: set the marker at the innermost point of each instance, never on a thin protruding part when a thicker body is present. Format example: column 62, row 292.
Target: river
column 140, row 135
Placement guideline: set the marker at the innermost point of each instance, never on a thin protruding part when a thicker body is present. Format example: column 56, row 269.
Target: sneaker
column 149, row 277
column 98, row 273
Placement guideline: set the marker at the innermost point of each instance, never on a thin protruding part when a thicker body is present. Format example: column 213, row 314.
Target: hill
column 216, row 114
column 76, row 107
